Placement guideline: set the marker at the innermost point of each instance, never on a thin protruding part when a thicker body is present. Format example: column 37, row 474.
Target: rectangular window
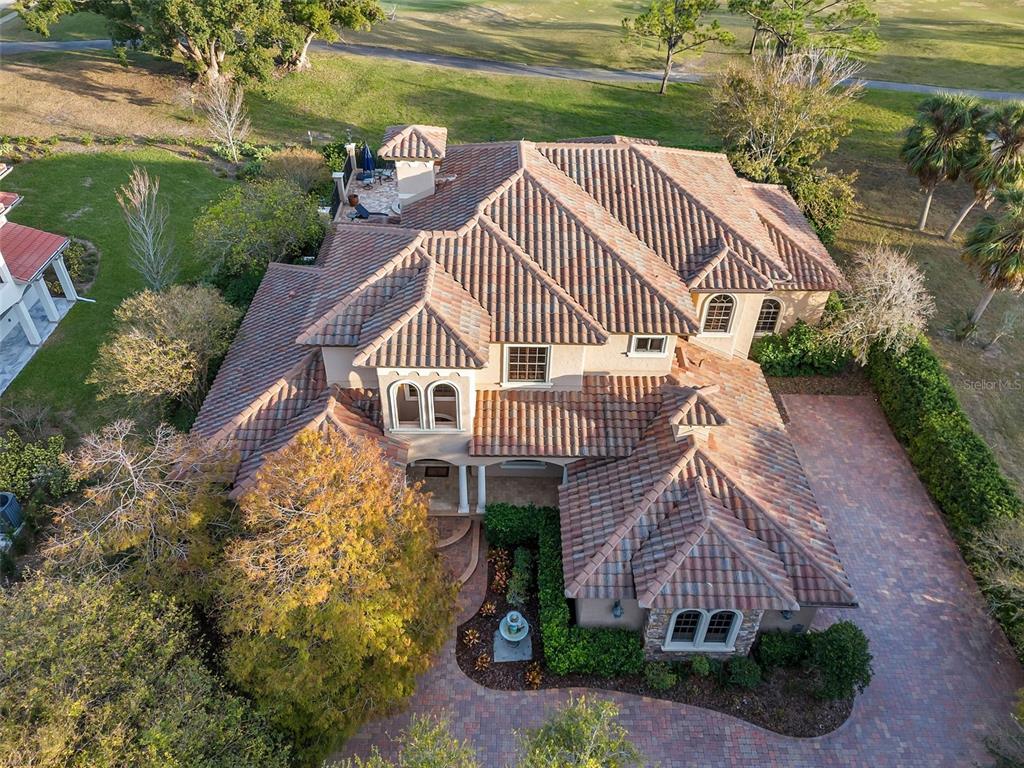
column 526, row 365
column 654, row 346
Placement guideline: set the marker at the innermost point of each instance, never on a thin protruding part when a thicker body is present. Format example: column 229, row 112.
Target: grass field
column 343, row 95
column 74, row 195
column 959, row 43
column 80, row 26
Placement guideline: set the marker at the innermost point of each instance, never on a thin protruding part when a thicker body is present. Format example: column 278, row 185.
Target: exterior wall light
column 787, row 615
column 617, row 609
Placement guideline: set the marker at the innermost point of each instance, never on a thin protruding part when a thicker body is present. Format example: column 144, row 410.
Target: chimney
column 417, row 152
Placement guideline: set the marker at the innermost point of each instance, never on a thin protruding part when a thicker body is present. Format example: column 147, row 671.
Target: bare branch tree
column 889, row 304
column 145, row 504
column 146, row 215
column 223, row 103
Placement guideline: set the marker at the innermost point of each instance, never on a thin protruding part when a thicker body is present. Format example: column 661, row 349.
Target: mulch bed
column 853, row 381
column 783, row 703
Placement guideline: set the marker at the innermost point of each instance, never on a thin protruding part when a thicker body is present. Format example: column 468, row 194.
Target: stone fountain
column 512, row 640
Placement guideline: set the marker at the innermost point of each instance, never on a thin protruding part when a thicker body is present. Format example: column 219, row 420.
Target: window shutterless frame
column 709, row 630
column 648, row 346
column 527, row 364
column 718, row 314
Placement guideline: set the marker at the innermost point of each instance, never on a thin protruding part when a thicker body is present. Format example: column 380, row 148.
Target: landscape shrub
column 660, row 676
column 781, row 649
column 29, row 466
column 825, row 198
column 305, row 168
column 841, row 657
column 509, row 526
column 700, row 666
column 803, row 350
column 570, row 649
column 743, row 672
column 521, row 581
column 335, row 155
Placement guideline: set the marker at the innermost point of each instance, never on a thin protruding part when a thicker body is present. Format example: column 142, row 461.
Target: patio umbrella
column 368, row 162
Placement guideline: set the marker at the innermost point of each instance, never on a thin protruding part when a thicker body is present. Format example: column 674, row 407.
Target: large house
column 25, row 302
column 566, row 323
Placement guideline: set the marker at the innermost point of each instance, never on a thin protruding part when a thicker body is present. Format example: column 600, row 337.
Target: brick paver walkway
column 943, row 671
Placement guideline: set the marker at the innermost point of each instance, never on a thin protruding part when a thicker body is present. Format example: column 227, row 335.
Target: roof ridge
column 781, row 529
column 316, row 326
column 652, row 495
column 743, row 264
column 685, row 312
column 672, row 563
column 709, row 265
column 783, row 591
column 641, row 151
column 262, row 399
column 487, row 223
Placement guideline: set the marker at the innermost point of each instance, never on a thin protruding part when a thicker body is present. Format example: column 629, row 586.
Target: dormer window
column 527, row 363
column 444, row 406
column 649, row 346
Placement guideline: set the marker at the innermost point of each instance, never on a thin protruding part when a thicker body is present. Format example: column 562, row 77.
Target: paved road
column 943, row 669
column 508, row 68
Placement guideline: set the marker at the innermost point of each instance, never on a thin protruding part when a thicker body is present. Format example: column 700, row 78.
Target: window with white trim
column 768, row 317
column 649, row 346
column 527, row 364
column 406, row 410
column 444, row 406
column 718, row 314
column 695, row 629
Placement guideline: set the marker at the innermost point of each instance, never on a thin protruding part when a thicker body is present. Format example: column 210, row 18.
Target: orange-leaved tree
column 334, row 597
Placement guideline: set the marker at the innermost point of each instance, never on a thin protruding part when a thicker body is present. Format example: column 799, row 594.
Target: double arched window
column 435, row 408
column 695, row 629
column 718, row 314
column 768, row 317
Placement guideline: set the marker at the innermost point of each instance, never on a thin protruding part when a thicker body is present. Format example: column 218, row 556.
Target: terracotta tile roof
column 265, row 369
column 611, row 138
column 28, row 251
column 353, row 412
column 629, row 525
column 414, row 142
column 8, row 200
column 798, row 245
column 606, row 418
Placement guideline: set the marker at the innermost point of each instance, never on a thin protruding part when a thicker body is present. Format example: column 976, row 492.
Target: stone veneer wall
column 657, row 627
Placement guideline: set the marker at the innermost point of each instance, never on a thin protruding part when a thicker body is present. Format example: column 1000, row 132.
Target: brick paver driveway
column 943, row 671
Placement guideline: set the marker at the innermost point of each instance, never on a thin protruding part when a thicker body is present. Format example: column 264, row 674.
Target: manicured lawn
column 74, row 195
column 80, row 26
column 975, row 44
column 343, row 95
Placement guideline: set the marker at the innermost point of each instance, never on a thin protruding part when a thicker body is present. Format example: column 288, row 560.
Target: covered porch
column 461, row 489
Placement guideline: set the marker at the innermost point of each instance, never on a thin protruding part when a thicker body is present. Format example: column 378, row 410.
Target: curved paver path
column 943, row 670
column 509, row 67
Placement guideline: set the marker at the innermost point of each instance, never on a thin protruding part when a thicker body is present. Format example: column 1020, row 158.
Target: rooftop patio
column 379, row 197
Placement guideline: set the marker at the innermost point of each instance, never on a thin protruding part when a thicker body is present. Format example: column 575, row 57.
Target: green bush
column 509, row 526
column 335, row 155
column 569, row 649
column 825, row 198
column 521, row 581
column 659, row 676
column 840, row 655
column 700, row 666
column 802, row 350
column 28, row 467
column 743, row 672
column 781, row 649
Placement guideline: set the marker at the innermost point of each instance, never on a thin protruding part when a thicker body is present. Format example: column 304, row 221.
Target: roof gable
column 414, row 142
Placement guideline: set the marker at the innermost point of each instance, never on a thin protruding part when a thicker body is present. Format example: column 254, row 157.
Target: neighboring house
column 25, row 301
column 566, row 323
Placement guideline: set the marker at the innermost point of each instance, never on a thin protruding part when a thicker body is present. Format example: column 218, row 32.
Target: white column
column 27, row 324
column 481, row 489
column 66, row 284
column 463, row 490
column 46, row 300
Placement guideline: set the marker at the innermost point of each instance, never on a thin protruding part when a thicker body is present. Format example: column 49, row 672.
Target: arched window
column 768, row 317
column 694, row 629
column 718, row 314
column 406, row 411
column 721, row 628
column 444, row 406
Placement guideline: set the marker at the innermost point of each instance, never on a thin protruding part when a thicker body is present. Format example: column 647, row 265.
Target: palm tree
column 939, row 142
column 998, row 159
column 995, row 249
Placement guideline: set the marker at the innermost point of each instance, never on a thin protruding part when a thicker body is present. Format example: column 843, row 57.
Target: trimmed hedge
column 954, row 463
column 802, row 350
column 567, row 649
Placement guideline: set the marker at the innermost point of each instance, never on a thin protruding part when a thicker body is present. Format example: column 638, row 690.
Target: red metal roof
column 27, row 250
column 8, row 200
